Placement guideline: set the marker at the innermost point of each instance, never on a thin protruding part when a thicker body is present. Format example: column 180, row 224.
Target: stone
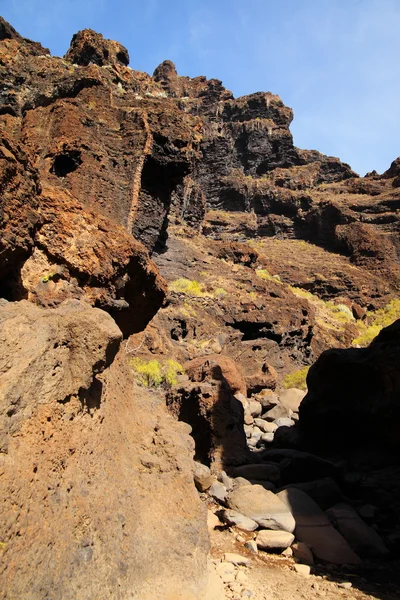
column 267, row 438
column 232, row 517
column 236, row 559
column 264, row 471
column 218, row 492
column 287, row 437
column 240, row 482
column 255, row 408
column 202, row 477
column 284, row 422
column 268, row 398
column 277, row 412
column 248, row 419
column 262, row 506
column 288, row 552
column 292, row 398
column 267, row 485
column 252, row 546
column 242, row 576
column 248, row 429
column 325, row 492
column 252, row 442
column 304, row 570
column 226, row 570
column 314, row 529
column 302, row 553
column 274, row 540
column 212, row 520
column 303, row 467
column 227, row 481
column 345, row 585
column 368, row 512
column 266, row 426
column 361, row 537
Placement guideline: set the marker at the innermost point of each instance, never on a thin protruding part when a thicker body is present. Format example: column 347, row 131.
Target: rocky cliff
column 167, row 254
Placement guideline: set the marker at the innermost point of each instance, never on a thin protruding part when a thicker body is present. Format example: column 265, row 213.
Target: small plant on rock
column 153, row 373
column 297, row 379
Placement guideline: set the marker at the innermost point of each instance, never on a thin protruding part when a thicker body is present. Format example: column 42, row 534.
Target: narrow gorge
column 200, row 342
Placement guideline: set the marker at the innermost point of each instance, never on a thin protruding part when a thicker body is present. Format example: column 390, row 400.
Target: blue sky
column 335, row 62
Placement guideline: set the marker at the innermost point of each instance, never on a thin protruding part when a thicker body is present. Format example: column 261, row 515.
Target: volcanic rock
column 314, row 529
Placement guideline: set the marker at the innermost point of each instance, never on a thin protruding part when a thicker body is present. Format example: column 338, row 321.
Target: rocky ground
column 189, row 301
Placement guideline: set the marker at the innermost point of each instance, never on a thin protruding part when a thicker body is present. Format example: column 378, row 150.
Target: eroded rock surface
column 97, row 490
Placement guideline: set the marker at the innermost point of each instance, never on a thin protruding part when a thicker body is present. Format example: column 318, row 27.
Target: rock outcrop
column 354, row 393
column 97, row 489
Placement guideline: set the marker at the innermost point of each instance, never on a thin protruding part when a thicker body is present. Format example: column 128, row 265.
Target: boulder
column 202, row 477
column 277, row 412
column 274, row 540
column 361, row 537
column 354, row 392
column 314, row 529
column 265, row 471
column 302, row 553
column 232, row 517
column 262, row 506
column 325, row 492
column 292, row 398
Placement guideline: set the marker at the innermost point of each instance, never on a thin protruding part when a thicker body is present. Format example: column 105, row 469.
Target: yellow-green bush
column 264, row 274
column 378, row 320
column 153, row 373
column 297, row 379
column 187, row 286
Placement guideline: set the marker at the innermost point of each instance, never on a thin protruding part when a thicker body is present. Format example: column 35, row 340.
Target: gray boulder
column 361, row 537
column 262, row 506
column 314, row 528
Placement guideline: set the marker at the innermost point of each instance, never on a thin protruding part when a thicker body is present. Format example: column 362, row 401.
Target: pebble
column 233, row 517
column 284, row 422
column 267, row 437
column 346, row 585
column 303, row 553
column 212, row 520
column 218, row 491
column 226, row 571
column 252, row 546
column 202, row 477
column 304, row 570
column 255, row 408
column 225, row 480
column 236, row 559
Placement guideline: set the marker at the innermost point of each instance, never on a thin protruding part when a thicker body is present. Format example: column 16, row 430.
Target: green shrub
column 48, row 277
column 153, row 373
column 297, row 379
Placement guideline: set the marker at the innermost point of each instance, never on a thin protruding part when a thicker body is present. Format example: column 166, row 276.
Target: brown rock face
column 97, row 490
column 354, row 394
column 87, row 47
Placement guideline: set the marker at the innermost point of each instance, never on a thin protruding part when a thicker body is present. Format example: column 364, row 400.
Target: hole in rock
column 66, row 163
